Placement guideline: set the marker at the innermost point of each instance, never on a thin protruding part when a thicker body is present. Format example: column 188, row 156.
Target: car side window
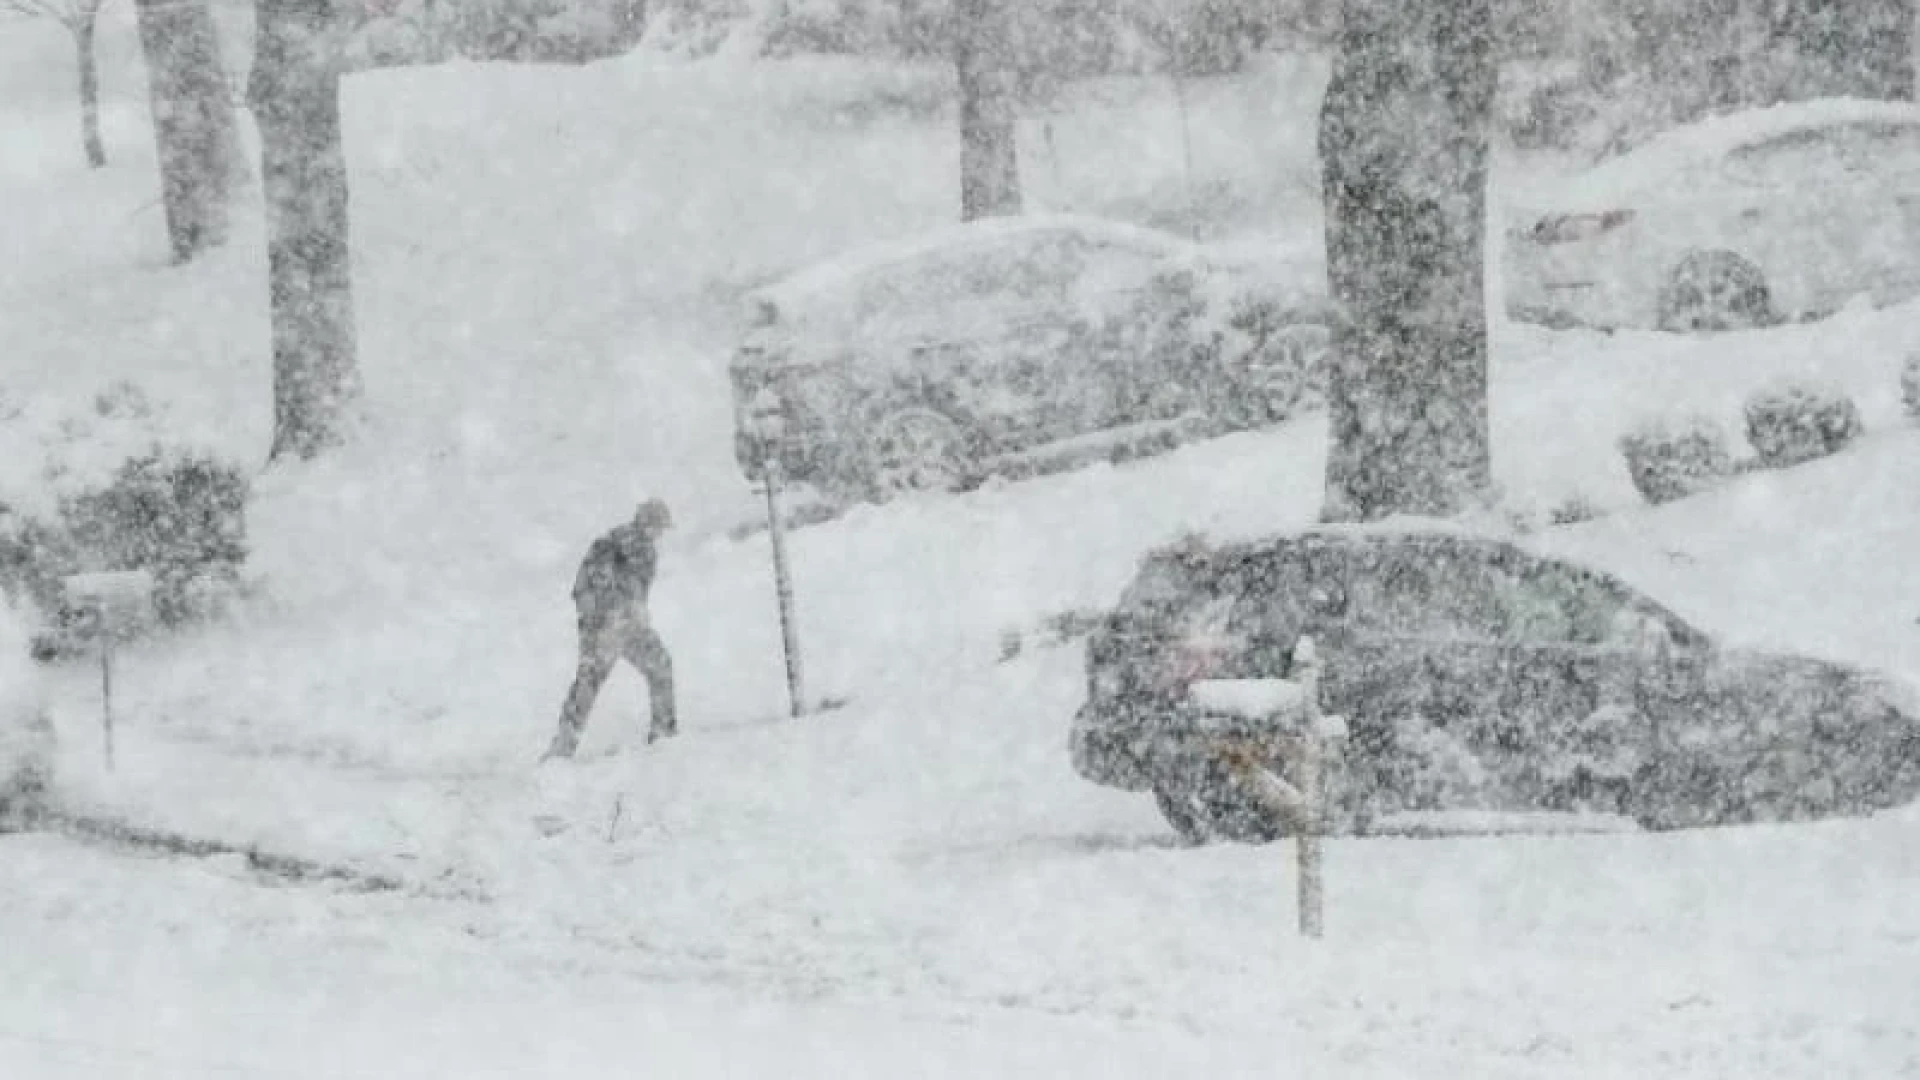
column 1424, row 591
column 1551, row 604
column 1103, row 272
column 1785, row 161
column 1033, row 270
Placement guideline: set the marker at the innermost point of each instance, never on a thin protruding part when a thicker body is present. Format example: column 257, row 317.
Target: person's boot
column 563, row 745
column 664, row 724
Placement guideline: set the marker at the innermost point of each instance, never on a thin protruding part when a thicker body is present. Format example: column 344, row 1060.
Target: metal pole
column 783, row 588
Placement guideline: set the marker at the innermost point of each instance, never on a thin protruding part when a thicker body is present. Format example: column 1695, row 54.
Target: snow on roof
column 1655, row 162
column 823, row 280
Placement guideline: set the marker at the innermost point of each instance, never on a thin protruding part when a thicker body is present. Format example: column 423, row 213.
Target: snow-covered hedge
column 1671, row 458
column 113, row 486
column 26, row 739
column 403, row 32
column 1574, row 509
column 1799, row 420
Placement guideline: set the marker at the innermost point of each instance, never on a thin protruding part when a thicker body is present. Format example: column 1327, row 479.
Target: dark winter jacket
column 616, row 575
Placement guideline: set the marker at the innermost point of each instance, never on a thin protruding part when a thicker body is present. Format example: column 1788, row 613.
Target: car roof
column 1653, row 163
column 1403, row 531
column 821, row 281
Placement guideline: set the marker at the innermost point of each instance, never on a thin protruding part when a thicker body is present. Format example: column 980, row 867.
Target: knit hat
column 654, row 516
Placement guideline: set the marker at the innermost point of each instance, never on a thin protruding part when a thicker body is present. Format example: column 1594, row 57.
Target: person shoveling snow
column 610, row 595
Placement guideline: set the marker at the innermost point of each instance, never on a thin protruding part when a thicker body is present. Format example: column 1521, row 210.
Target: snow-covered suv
column 1475, row 675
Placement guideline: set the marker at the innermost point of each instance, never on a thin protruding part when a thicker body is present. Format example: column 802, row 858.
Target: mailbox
column 112, row 603
column 109, row 604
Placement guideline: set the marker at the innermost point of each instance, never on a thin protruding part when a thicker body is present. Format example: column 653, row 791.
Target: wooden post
column 783, row 588
column 1301, row 741
column 1307, row 841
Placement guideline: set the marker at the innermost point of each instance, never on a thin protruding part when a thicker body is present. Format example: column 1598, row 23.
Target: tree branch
column 70, row 14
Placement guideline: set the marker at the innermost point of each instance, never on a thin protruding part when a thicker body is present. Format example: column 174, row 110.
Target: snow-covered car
column 26, row 734
column 976, row 348
column 1747, row 219
column 1474, row 675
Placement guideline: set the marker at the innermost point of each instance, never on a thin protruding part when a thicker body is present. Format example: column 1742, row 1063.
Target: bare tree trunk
column 1403, row 144
column 295, row 94
column 192, row 121
column 83, row 32
column 989, row 150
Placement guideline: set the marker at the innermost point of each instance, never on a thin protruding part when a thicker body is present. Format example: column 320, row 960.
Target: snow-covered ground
column 544, row 261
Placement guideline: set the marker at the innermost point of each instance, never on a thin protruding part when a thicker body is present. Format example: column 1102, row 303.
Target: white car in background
column 1749, row 219
column 1013, row 345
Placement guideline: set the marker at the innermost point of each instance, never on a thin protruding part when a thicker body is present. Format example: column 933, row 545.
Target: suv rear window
column 1165, row 585
column 1235, row 592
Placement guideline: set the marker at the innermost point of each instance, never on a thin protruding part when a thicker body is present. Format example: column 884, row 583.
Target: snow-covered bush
column 1798, row 420
column 1672, row 458
column 1574, row 509
column 840, row 27
column 116, row 488
column 695, row 28
column 1910, row 385
column 26, row 738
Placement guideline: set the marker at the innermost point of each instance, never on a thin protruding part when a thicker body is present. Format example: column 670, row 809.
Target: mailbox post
column 768, row 425
column 1283, row 726
column 111, row 604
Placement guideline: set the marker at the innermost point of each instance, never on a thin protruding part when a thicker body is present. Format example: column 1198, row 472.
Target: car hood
column 1790, row 697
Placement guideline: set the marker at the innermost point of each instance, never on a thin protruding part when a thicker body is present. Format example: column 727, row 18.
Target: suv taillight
column 1193, row 658
column 1570, row 228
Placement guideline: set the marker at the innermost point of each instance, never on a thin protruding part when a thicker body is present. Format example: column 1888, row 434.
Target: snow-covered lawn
column 159, row 970
column 543, row 259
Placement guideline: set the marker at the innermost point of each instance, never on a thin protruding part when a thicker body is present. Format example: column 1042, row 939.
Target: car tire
column 1180, row 812
column 1713, row 291
column 1270, row 383
column 913, row 449
column 1212, row 807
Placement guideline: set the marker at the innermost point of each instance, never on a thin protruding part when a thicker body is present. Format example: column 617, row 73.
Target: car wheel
column 1715, row 290
column 1183, row 814
column 1268, row 384
column 914, row 449
column 1212, row 806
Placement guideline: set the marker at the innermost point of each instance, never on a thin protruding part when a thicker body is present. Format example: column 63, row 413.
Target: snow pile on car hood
column 826, row 283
